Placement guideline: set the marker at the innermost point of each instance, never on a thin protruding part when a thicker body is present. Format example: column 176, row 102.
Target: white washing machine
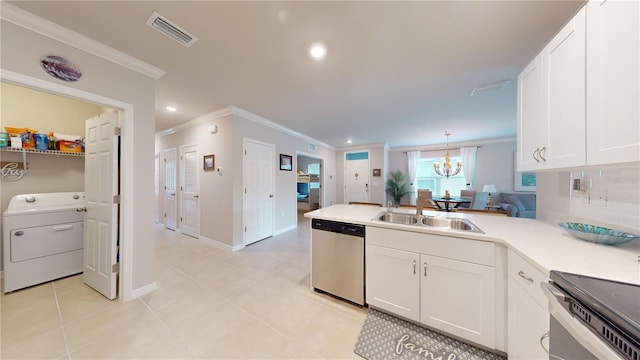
column 42, row 238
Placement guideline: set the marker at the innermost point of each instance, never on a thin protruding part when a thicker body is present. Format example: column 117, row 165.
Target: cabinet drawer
column 528, row 277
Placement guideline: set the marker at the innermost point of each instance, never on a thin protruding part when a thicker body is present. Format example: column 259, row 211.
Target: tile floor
column 211, row 303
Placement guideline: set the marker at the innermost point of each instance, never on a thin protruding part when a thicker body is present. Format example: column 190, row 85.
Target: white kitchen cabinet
column 613, row 82
column 551, row 102
column 458, row 297
column 444, row 282
column 393, row 280
column 528, row 318
column 530, row 97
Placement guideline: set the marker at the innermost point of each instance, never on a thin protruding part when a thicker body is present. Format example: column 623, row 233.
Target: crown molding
column 260, row 120
column 200, row 120
column 363, row 147
column 458, row 145
column 29, row 21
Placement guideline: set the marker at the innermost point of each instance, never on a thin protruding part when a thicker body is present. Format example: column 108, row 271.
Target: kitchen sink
column 430, row 221
column 406, row 219
column 436, row 222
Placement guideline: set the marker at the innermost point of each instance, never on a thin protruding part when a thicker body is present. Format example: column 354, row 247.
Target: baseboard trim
column 147, row 289
column 285, row 230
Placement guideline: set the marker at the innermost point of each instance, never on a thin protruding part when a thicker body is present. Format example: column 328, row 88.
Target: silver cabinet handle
column 544, row 336
column 551, row 356
column 425, row 268
column 414, row 266
column 18, row 233
column 522, row 275
column 196, row 196
column 544, row 148
column 270, row 195
column 534, row 155
column 83, row 209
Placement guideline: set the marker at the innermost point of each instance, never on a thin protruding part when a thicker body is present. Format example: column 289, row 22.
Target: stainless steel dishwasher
column 337, row 259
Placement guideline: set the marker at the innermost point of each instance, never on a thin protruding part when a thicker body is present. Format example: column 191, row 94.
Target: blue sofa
column 517, row 204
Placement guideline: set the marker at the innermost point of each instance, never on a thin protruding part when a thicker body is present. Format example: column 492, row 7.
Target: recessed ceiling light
column 349, row 141
column 318, row 51
column 171, row 108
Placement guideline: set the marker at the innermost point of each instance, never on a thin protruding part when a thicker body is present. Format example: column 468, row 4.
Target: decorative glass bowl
column 597, row 234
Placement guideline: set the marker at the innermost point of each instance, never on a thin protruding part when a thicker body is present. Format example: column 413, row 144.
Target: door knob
column 196, row 196
column 271, row 195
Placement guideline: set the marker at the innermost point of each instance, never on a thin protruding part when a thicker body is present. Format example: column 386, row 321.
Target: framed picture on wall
column 286, row 162
column 209, row 162
column 522, row 181
column 376, row 172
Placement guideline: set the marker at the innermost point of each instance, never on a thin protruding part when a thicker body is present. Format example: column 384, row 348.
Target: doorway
column 124, row 231
column 189, row 191
column 309, row 189
column 258, row 193
column 356, row 177
column 170, row 189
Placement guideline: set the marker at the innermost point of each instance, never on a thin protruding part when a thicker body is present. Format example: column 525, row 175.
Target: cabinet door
column 564, row 66
column 613, row 82
column 551, row 102
column 458, row 297
column 530, row 96
column 528, row 322
column 393, row 281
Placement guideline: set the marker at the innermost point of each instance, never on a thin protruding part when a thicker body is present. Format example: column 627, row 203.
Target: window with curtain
column 428, row 179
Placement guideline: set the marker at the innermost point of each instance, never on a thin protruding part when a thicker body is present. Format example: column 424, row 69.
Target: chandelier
column 446, row 170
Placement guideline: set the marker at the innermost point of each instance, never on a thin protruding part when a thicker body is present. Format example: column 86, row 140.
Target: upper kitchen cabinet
column 551, row 102
column 613, row 82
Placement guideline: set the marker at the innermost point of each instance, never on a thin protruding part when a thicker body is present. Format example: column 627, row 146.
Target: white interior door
column 156, row 186
column 356, row 177
column 258, row 191
column 190, row 190
column 170, row 188
column 100, row 187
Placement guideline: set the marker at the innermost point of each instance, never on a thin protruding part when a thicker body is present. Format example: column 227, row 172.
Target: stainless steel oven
column 592, row 318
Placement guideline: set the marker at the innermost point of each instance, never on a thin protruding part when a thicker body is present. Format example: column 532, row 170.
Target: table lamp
column 489, row 188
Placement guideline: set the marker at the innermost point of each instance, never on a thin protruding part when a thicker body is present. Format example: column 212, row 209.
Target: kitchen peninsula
column 470, row 284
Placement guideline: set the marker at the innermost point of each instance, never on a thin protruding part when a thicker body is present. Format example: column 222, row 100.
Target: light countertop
column 544, row 246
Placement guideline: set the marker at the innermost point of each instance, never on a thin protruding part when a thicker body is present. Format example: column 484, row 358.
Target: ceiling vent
column 170, row 29
column 488, row 87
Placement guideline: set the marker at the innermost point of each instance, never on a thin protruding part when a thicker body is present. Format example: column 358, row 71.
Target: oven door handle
column 574, row 327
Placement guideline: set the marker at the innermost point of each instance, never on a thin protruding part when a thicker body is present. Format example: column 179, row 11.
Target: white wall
column 611, row 197
column 494, row 165
column 221, row 194
column 21, row 53
column 286, row 214
column 377, row 160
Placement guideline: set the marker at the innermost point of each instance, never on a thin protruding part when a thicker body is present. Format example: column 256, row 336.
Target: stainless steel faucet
column 420, row 202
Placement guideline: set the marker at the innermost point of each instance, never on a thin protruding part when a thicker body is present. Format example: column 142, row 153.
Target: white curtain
column 468, row 155
column 413, row 158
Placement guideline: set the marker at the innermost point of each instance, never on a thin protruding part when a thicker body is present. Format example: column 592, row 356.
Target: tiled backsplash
column 606, row 195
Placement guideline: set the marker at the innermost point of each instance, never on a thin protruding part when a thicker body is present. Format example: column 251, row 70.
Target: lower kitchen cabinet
column 417, row 276
column 393, row 281
column 458, row 297
column 528, row 318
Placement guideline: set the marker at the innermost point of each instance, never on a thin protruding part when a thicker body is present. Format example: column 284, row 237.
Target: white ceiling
column 399, row 73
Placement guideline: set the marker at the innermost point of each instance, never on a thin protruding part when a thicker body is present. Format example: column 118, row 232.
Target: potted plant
column 398, row 186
